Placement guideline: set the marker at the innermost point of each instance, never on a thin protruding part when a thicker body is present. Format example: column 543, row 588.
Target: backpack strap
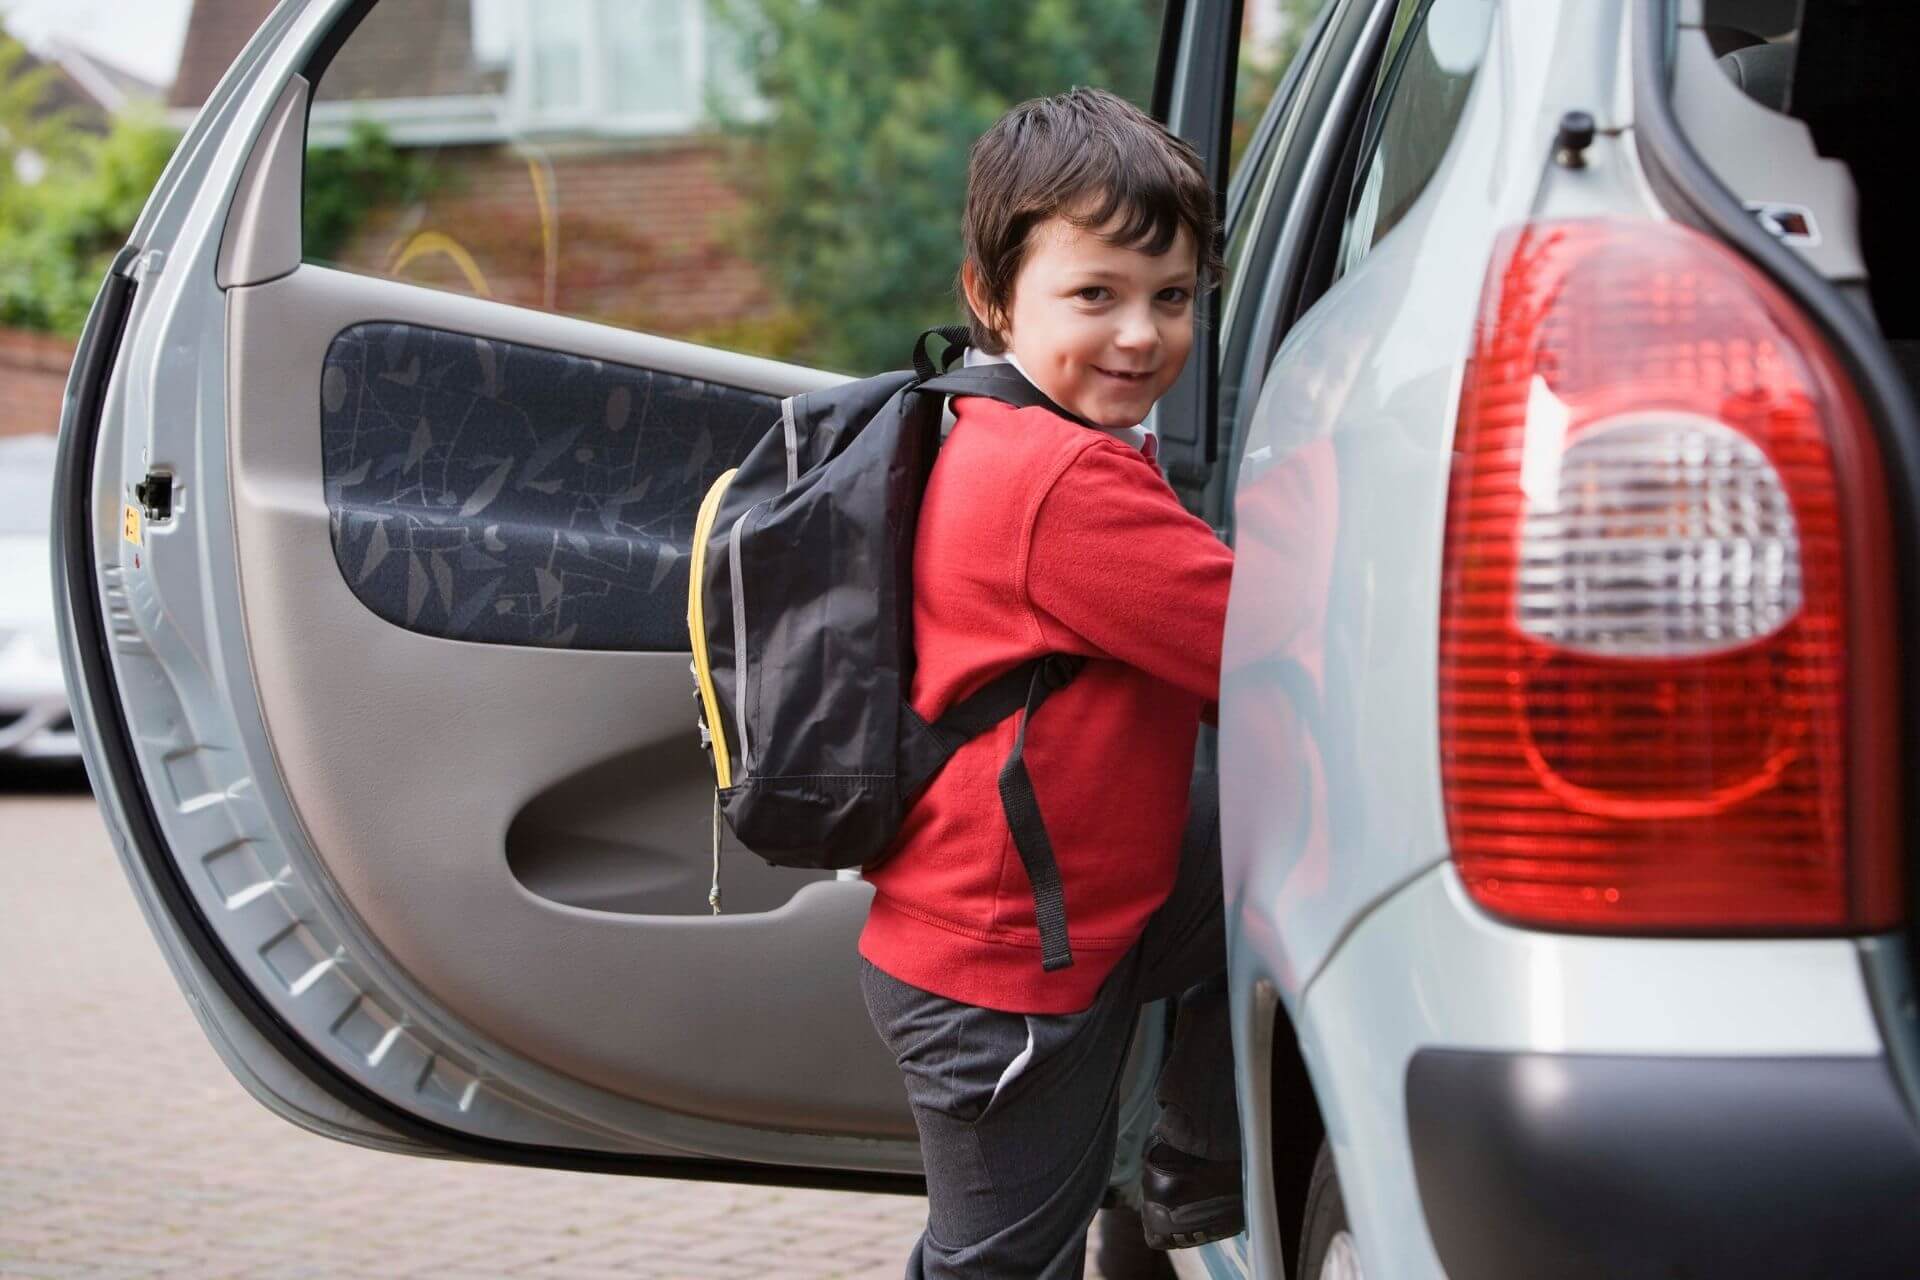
column 1023, row 689
column 1029, row 831
column 1000, row 382
column 954, row 335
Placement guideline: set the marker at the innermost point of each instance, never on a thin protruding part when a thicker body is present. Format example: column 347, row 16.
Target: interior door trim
column 115, row 770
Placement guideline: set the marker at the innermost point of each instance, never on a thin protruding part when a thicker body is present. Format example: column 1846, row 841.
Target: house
column 572, row 168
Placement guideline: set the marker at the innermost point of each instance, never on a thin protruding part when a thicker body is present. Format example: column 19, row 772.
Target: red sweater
column 1038, row 536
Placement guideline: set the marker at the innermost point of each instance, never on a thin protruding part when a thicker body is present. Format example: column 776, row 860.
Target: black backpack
column 800, row 611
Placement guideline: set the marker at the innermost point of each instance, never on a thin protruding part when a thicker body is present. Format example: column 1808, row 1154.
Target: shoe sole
column 1190, row 1225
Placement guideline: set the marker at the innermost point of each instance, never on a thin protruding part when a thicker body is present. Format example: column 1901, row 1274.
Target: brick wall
column 33, row 375
column 644, row 235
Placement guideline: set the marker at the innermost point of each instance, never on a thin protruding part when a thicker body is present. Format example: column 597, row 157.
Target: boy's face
column 1102, row 329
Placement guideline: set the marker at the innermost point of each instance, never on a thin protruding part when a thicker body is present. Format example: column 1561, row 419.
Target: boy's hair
column 1089, row 157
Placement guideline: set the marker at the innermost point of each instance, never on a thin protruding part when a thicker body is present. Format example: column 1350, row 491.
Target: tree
column 59, row 232
column 855, row 159
column 32, row 133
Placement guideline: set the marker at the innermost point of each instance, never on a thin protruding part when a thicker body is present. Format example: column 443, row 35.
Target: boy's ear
column 976, row 299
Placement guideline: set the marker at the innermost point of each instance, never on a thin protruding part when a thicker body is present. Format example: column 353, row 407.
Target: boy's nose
column 1136, row 333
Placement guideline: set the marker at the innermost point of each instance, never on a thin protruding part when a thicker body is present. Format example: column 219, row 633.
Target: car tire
column 1327, row 1250
column 1120, row 1248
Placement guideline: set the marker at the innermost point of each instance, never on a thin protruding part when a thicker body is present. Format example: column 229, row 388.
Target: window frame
column 1379, row 105
column 1268, row 291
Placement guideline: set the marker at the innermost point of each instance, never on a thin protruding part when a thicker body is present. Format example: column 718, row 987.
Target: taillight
column 1666, row 677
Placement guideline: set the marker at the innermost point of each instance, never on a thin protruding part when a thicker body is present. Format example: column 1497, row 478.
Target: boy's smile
column 1103, row 329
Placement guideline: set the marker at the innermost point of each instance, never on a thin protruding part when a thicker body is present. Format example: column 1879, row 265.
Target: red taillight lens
column 1666, row 684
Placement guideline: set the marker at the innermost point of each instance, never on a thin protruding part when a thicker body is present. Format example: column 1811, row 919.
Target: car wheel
column 1121, row 1250
column 1327, row 1250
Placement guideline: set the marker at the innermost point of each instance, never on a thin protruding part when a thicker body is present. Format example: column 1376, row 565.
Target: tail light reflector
column 1666, row 676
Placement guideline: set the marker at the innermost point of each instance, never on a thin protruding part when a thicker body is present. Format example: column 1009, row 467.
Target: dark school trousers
column 1018, row 1113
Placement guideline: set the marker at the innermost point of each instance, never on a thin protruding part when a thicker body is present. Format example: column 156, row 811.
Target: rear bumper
column 1506, row 1102
column 1574, row 1166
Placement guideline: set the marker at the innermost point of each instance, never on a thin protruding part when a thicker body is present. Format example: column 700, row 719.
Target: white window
column 611, row 66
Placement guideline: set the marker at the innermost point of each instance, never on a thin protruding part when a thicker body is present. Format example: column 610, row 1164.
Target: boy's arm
column 1117, row 568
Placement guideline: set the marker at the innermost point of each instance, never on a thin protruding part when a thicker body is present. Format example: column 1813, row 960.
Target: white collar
column 1135, row 436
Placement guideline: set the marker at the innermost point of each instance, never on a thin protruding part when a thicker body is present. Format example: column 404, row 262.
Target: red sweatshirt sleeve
column 1117, row 568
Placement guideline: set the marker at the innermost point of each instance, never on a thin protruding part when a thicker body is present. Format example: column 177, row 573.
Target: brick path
column 127, row 1150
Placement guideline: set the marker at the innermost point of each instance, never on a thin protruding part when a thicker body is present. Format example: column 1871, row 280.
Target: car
column 1558, row 407
column 34, row 726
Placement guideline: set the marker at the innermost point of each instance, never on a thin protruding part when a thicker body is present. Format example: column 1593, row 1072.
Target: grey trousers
column 1017, row 1113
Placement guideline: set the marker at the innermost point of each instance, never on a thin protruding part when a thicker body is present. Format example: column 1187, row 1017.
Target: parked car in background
column 34, row 724
column 1558, row 408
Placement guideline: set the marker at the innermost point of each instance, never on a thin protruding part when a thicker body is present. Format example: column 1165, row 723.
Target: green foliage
column 27, row 124
column 345, row 183
column 856, row 166
column 58, row 234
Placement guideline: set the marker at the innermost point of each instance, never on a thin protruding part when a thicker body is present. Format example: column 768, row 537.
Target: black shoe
column 1186, row 1201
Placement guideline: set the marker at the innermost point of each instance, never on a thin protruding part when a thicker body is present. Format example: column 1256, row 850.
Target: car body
column 441, row 890
column 34, row 725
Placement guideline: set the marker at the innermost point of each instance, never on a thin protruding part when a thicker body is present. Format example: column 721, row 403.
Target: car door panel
column 509, row 494
column 459, row 740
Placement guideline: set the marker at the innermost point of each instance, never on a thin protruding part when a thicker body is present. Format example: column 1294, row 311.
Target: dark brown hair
column 1089, row 157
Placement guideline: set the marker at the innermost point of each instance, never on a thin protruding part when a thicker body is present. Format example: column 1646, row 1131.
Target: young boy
column 1089, row 229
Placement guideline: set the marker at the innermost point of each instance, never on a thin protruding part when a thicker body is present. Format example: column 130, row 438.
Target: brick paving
column 126, row 1149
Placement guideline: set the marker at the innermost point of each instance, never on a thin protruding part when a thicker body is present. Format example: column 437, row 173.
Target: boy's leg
column 1190, row 1186
column 1016, row 1115
column 1199, row 1112
column 1183, row 956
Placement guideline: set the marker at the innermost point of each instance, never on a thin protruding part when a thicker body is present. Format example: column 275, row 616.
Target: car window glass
column 709, row 170
column 1268, row 77
column 1437, row 47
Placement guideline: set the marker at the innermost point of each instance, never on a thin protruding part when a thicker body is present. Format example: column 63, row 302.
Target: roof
column 114, row 87
column 216, row 32
column 82, row 84
column 421, row 49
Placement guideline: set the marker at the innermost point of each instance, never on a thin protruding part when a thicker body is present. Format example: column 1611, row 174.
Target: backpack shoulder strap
column 1023, row 690
column 1000, row 382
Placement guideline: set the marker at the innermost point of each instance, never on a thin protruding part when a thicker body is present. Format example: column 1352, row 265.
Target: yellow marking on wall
column 549, row 243
column 426, row 243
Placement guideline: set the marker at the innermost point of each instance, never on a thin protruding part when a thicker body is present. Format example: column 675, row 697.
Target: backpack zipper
column 738, row 577
column 697, row 629
column 793, row 440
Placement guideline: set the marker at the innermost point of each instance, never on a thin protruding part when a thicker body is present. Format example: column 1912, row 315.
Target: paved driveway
column 127, row 1150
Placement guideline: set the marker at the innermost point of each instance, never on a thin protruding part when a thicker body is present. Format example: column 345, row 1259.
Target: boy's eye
column 1091, row 293
column 1175, row 294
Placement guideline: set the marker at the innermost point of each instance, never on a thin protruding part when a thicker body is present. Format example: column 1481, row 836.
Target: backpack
column 800, row 610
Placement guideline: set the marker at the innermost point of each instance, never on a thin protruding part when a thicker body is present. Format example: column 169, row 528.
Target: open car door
column 373, row 611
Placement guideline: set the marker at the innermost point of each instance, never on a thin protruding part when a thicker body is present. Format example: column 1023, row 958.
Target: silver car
column 1558, row 409
column 34, row 725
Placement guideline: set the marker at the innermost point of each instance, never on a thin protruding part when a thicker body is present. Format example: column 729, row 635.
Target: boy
column 1089, row 229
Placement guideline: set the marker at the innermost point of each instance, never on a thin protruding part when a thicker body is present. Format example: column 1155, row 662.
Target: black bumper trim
column 1568, row 1166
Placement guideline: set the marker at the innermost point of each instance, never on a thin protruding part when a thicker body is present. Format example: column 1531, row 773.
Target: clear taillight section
column 1656, row 535
column 1665, row 666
